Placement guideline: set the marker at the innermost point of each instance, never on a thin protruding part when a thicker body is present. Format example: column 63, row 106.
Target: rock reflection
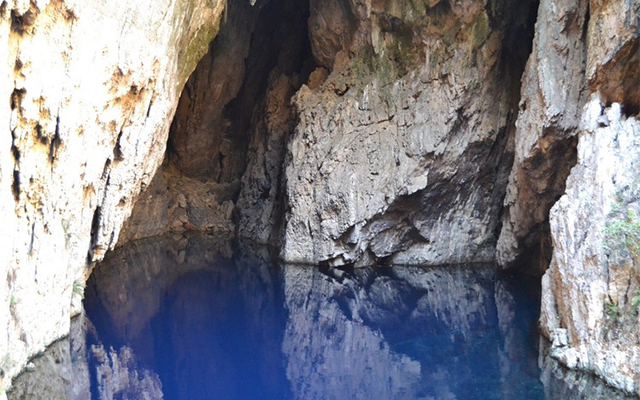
column 408, row 333
column 209, row 323
column 73, row 369
column 61, row 373
column 203, row 318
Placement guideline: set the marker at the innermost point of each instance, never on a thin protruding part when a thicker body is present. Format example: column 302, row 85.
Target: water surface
column 203, row 318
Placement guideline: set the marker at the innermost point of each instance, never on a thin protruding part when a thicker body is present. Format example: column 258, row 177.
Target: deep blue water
column 207, row 319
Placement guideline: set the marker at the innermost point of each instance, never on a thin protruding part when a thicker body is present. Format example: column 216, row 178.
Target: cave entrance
column 227, row 141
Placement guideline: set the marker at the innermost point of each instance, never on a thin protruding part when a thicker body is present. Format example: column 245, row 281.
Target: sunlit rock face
column 562, row 383
column 580, row 48
column 402, row 148
column 88, row 91
column 589, row 290
column 576, row 147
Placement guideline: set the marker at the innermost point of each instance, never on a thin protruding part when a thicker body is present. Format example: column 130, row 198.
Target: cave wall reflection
column 202, row 317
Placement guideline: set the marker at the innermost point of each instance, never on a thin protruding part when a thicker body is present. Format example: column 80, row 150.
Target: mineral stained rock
column 351, row 132
column 89, row 89
column 589, row 289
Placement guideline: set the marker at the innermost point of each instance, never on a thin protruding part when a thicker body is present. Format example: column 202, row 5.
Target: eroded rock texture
column 580, row 47
column 229, row 135
column 402, row 148
column 553, row 90
column 582, row 50
column 88, row 90
column 590, row 287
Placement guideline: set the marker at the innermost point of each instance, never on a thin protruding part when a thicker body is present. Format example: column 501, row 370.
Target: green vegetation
column 78, row 289
column 5, row 364
column 622, row 240
column 12, row 300
column 622, row 232
column 611, row 309
column 635, row 303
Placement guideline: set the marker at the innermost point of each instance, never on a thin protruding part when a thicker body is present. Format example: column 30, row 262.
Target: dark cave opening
column 225, row 153
column 228, row 138
column 217, row 112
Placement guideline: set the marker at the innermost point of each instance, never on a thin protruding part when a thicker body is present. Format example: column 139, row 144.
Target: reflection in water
column 178, row 318
column 412, row 333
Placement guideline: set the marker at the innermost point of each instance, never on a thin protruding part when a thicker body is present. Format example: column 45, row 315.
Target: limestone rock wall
column 578, row 118
column 593, row 281
column 580, row 47
column 553, row 90
column 402, row 148
column 89, row 89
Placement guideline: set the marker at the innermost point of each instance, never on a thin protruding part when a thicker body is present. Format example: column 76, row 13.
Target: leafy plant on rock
column 611, row 309
column 622, row 232
column 78, row 289
column 635, row 303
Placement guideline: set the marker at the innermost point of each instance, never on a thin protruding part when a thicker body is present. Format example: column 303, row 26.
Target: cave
column 355, row 199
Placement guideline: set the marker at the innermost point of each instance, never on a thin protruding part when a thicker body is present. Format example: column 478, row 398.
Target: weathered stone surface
column 562, row 383
column 228, row 139
column 552, row 97
column 580, row 47
column 202, row 144
column 174, row 202
column 593, row 279
column 61, row 373
column 402, row 154
column 88, row 89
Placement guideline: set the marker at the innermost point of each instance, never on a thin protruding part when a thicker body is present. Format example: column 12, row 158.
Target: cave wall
column 574, row 181
column 402, row 150
column 229, row 135
column 88, row 91
column 343, row 131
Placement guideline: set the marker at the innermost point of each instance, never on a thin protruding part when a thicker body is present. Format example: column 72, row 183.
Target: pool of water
column 204, row 318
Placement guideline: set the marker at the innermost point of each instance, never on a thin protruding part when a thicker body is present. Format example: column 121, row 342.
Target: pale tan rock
column 586, row 276
column 90, row 90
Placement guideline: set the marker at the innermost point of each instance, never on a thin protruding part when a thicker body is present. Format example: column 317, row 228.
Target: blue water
column 205, row 318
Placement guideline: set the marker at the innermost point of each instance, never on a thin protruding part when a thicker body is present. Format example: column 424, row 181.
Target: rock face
column 582, row 50
column 580, row 47
column 402, row 148
column 553, row 90
column 228, row 139
column 592, row 288
column 342, row 131
column 89, row 90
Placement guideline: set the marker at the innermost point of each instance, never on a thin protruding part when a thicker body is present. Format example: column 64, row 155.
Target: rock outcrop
column 89, row 89
column 402, row 148
column 591, row 291
column 580, row 47
column 346, row 132
column 582, row 51
column 553, row 91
